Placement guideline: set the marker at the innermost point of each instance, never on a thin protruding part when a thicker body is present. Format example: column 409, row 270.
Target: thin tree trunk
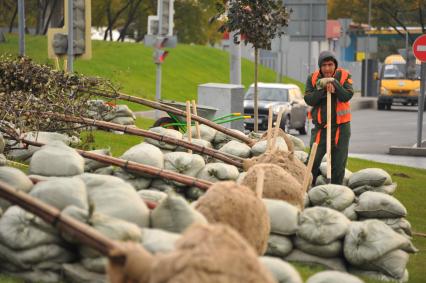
column 130, row 18
column 13, row 17
column 52, row 10
column 256, row 108
column 43, row 16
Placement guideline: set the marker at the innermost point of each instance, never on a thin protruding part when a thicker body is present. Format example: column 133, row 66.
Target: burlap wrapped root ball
column 240, row 208
column 210, row 253
column 136, row 268
column 278, row 184
column 283, row 159
column 282, row 134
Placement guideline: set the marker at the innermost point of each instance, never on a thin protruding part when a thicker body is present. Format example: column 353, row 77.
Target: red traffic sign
column 419, row 48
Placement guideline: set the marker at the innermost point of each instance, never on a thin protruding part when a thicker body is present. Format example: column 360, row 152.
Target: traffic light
column 82, row 44
column 411, row 65
column 166, row 12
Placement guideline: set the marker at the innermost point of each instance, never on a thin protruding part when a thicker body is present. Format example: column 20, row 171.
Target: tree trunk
column 13, row 17
column 256, row 108
column 38, row 16
column 132, row 12
column 52, row 9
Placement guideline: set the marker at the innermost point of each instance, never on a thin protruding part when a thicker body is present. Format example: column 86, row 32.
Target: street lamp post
column 367, row 53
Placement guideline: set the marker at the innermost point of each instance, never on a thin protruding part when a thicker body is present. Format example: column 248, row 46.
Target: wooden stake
column 65, row 64
column 188, row 123
column 308, row 178
column 57, row 66
column 270, row 117
column 328, row 137
column 274, row 147
column 197, row 125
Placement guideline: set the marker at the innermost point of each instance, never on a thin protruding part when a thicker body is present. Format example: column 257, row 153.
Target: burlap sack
column 369, row 240
column 333, row 277
column 279, row 246
column 333, row 196
column 334, row 249
column 15, row 178
column 282, row 271
column 236, row 148
column 56, row 159
column 214, row 253
column 237, row 206
column 278, row 184
column 174, row 214
column 285, row 160
column 322, row 225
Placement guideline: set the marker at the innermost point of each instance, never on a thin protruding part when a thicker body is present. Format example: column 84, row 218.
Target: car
column 279, row 96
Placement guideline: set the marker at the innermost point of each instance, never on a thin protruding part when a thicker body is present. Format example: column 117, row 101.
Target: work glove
column 135, row 269
column 321, row 83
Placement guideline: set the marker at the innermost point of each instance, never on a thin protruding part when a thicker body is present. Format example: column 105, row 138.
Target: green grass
column 131, row 67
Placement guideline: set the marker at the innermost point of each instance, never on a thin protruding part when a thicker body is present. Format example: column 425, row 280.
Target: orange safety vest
column 343, row 109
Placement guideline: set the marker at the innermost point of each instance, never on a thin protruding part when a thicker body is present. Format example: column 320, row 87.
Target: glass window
column 268, row 94
column 397, row 71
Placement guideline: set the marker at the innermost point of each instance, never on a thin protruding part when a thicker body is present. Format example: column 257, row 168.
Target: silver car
column 279, row 96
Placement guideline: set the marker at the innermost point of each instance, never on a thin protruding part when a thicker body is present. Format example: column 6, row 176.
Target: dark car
column 279, row 96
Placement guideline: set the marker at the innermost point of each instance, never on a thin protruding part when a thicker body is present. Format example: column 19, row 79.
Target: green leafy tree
column 259, row 21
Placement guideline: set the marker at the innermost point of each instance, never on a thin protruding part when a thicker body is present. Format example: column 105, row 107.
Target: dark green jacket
column 317, row 98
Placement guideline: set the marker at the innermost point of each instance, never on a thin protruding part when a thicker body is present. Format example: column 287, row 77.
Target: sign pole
column 421, row 104
column 419, row 50
column 21, row 27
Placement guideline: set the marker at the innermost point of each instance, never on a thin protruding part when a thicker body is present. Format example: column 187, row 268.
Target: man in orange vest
column 316, row 96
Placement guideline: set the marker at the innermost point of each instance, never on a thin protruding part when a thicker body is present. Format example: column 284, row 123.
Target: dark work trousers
column 339, row 151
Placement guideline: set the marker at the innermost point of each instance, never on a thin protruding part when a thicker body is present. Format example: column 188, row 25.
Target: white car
column 279, row 96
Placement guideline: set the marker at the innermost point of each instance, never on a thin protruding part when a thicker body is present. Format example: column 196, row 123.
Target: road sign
column 419, row 48
column 307, row 20
column 364, row 44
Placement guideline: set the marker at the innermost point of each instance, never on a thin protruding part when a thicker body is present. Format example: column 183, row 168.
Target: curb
column 407, row 151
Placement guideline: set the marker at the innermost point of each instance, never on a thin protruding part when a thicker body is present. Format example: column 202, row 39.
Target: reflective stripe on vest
column 343, row 109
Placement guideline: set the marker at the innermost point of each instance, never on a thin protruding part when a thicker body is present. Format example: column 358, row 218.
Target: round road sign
column 419, row 48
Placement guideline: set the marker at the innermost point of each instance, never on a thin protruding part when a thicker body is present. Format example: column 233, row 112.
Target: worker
column 316, row 96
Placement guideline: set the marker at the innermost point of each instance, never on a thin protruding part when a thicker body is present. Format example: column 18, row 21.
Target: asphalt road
column 373, row 132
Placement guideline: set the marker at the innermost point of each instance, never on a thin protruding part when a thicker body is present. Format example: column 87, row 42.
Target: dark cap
column 326, row 56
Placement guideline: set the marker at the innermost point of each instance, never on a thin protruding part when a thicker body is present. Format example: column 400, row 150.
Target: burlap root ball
column 285, row 160
column 282, row 134
column 136, row 268
column 210, row 253
column 237, row 206
column 278, row 184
